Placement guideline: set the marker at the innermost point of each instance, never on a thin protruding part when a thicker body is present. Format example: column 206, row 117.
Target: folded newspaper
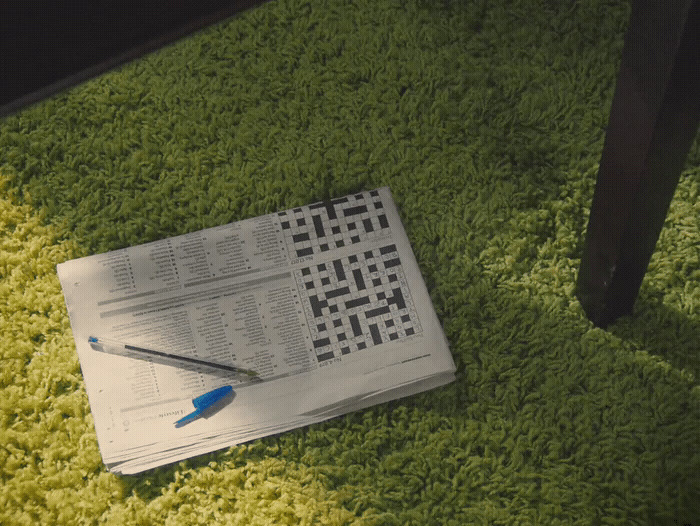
column 325, row 302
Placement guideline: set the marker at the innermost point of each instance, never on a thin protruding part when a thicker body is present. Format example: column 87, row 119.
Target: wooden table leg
column 653, row 122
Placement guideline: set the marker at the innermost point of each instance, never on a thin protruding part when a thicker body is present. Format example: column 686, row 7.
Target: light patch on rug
column 51, row 468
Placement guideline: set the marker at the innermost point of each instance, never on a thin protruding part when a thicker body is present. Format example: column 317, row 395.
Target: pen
column 105, row 345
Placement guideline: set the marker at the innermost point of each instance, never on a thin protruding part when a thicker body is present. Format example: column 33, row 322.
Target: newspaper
column 325, row 302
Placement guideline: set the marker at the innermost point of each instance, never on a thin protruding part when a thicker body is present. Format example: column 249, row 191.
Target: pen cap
column 212, row 397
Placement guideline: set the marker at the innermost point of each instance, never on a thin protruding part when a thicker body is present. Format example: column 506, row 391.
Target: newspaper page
column 325, row 302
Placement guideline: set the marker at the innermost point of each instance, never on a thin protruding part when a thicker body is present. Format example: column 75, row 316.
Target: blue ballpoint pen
column 125, row 349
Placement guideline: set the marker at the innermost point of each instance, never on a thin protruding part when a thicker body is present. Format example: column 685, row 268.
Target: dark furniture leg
column 653, row 122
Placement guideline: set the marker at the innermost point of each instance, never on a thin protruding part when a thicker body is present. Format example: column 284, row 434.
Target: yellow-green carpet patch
column 487, row 121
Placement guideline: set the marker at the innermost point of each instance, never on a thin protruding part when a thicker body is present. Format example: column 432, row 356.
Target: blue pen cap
column 210, row 398
column 203, row 403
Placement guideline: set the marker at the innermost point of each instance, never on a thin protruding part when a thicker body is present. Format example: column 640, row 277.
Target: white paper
column 325, row 301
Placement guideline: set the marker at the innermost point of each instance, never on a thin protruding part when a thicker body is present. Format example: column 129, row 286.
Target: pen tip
column 92, row 339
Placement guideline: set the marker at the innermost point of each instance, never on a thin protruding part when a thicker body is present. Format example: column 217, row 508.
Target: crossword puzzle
column 333, row 224
column 355, row 302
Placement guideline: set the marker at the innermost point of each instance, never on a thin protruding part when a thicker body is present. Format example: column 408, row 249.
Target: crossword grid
column 333, row 224
column 356, row 302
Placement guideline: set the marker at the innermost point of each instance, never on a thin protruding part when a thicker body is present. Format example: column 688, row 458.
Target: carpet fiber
column 486, row 119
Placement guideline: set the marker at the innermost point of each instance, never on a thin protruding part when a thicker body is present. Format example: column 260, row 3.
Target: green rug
column 487, row 120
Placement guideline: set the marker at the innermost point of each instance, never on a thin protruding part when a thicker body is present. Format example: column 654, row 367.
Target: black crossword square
column 305, row 271
column 352, row 259
column 321, row 327
column 285, row 224
column 392, row 278
column 321, row 267
column 336, row 229
column 325, row 281
column 301, row 221
column 372, row 268
column 337, row 323
column 352, row 226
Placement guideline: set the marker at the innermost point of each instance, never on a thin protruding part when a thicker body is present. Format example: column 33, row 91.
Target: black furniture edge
column 653, row 122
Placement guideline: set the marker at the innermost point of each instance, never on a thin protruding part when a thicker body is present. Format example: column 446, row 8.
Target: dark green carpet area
column 486, row 120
